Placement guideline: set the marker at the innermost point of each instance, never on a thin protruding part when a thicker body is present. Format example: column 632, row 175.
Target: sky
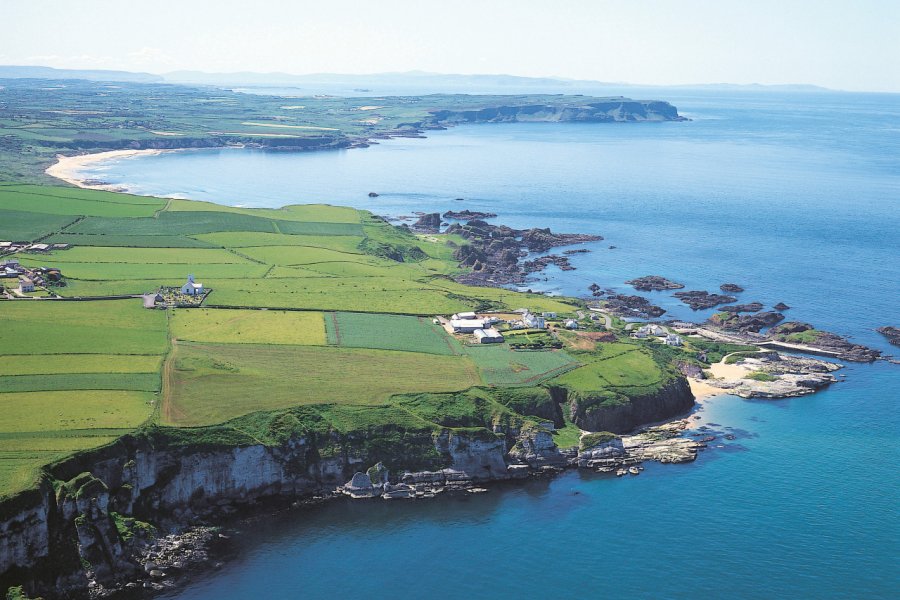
column 832, row 43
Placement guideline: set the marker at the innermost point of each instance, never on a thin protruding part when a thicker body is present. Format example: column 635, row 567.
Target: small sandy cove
column 703, row 390
column 67, row 168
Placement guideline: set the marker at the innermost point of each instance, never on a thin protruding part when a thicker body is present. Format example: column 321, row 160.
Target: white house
column 191, row 288
column 549, row 315
column 26, row 285
column 534, row 321
column 488, row 336
column 571, row 324
column 652, row 330
column 673, row 340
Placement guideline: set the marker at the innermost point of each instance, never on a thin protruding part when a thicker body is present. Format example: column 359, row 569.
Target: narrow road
column 607, row 320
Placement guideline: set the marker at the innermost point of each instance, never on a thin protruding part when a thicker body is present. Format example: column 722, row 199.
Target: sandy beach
column 720, row 370
column 67, row 168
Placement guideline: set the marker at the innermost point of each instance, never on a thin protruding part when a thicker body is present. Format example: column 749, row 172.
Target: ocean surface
column 794, row 196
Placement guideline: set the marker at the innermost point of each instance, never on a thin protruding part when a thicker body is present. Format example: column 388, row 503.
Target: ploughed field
column 320, row 314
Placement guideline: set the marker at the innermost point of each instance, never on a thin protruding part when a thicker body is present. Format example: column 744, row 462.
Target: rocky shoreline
column 495, row 253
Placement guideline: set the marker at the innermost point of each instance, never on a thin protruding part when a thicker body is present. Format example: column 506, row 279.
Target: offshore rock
column 699, row 300
column 654, row 283
column 891, row 333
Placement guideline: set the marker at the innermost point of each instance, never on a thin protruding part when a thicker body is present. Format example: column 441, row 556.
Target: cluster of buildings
column 28, row 278
column 7, row 246
column 482, row 328
column 657, row 331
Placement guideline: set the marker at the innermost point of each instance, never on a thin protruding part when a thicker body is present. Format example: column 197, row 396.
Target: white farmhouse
column 534, row 321
column 673, row 340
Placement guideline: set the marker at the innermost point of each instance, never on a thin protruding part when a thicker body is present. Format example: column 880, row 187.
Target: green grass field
column 74, row 410
column 18, row 226
column 615, row 367
column 140, row 382
column 112, row 327
column 500, row 365
column 249, row 326
column 389, row 332
column 358, row 338
column 215, row 382
column 181, row 256
column 41, row 364
column 39, row 199
column 173, row 274
column 133, row 241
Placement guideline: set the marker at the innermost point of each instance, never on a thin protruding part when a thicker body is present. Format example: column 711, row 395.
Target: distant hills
column 410, row 82
column 26, row 72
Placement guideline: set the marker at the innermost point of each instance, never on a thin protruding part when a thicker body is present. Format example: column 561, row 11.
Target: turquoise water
column 795, row 197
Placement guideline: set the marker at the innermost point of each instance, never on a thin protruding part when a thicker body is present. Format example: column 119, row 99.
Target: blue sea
column 794, row 196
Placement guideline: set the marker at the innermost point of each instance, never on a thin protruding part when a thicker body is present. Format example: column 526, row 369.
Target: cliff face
column 672, row 399
column 67, row 537
column 51, row 535
column 613, row 110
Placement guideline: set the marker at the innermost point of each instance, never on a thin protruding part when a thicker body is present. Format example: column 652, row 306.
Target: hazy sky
column 835, row 43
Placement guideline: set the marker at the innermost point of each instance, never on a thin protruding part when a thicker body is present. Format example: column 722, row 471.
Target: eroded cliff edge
column 83, row 529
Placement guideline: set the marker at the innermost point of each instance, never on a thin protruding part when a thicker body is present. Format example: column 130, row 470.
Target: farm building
column 192, row 288
column 463, row 316
column 488, row 336
column 571, row 324
column 26, row 285
column 549, row 315
column 467, row 325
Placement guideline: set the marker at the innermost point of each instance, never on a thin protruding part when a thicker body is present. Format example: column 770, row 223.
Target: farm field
column 134, row 241
column 171, row 273
column 366, row 292
column 38, row 200
column 142, row 382
column 39, row 364
column 389, row 332
column 304, row 255
column 26, row 226
column 249, row 326
column 238, row 239
column 500, row 365
column 615, row 367
column 57, row 394
column 74, row 410
column 375, row 294
column 113, row 327
column 322, row 213
column 215, row 382
column 188, row 256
